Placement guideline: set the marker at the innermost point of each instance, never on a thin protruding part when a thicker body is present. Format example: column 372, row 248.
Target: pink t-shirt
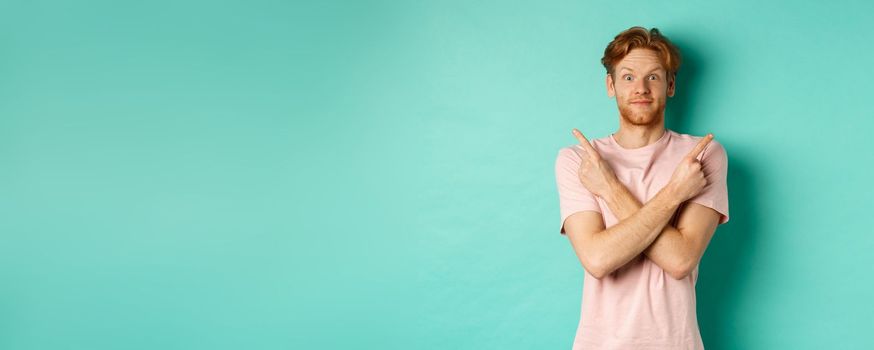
column 640, row 306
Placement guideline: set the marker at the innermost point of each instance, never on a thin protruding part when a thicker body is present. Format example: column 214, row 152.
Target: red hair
column 639, row 37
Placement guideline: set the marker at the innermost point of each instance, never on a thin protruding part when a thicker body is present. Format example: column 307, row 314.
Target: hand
column 595, row 174
column 688, row 179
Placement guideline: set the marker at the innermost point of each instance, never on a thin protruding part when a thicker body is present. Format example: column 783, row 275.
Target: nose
column 641, row 87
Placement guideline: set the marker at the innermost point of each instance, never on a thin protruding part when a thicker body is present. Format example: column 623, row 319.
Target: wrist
column 671, row 195
column 614, row 190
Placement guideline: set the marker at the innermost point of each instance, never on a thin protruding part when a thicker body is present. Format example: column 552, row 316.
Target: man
column 640, row 206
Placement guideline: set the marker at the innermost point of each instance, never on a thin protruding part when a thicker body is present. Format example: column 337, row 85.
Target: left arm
column 677, row 250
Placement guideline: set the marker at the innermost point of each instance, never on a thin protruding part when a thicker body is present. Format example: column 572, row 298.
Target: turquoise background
column 375, row 175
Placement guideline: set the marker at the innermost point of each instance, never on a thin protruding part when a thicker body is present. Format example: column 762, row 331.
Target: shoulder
column 686, row 142
column 568, row 156
column 573, row 153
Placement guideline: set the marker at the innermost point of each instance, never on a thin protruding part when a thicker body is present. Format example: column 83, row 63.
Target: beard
column 638, row 116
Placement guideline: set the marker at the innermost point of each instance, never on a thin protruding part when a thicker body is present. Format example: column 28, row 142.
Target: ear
column 610, row 90
column 671, row 85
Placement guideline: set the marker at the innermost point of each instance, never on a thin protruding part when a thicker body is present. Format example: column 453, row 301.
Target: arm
column 672, row 251
column 677, row 250
column 602, row 251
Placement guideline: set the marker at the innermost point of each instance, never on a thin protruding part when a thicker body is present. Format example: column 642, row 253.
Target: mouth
column 642, row 102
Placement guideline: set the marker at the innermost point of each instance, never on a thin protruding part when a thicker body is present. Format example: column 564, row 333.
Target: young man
column 640, row 206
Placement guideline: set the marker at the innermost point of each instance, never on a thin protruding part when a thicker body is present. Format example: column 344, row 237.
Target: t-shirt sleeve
column 572, row 195
column 715, row 167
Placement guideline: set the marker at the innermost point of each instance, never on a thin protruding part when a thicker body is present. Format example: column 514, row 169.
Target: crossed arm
column 677, row 250
column 602, row 251
column 642, row 228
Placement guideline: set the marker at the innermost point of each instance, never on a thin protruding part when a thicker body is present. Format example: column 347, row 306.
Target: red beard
column 641, row 116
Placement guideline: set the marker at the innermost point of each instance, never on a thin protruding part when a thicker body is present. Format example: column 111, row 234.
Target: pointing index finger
column 585, row 143
column 700, row 146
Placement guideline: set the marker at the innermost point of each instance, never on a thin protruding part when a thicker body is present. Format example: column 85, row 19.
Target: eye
column 654, row 77
column 626, row 77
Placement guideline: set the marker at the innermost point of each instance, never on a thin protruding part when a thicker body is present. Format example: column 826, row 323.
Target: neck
column 636, row 136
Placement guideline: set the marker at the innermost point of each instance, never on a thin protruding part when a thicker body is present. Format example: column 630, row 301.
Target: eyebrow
column 652, row 70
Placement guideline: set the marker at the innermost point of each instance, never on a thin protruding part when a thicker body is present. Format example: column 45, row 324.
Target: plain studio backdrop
column 379, row 174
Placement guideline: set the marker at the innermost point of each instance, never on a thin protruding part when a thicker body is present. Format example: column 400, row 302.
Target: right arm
column 602, row 251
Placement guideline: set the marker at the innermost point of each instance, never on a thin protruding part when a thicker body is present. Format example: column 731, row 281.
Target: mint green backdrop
column 379, row 175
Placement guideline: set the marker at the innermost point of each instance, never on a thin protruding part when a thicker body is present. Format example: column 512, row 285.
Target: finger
column 585, row 143
column 700, row 146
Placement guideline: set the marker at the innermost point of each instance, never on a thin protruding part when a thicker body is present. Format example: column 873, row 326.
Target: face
column 641, row 88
